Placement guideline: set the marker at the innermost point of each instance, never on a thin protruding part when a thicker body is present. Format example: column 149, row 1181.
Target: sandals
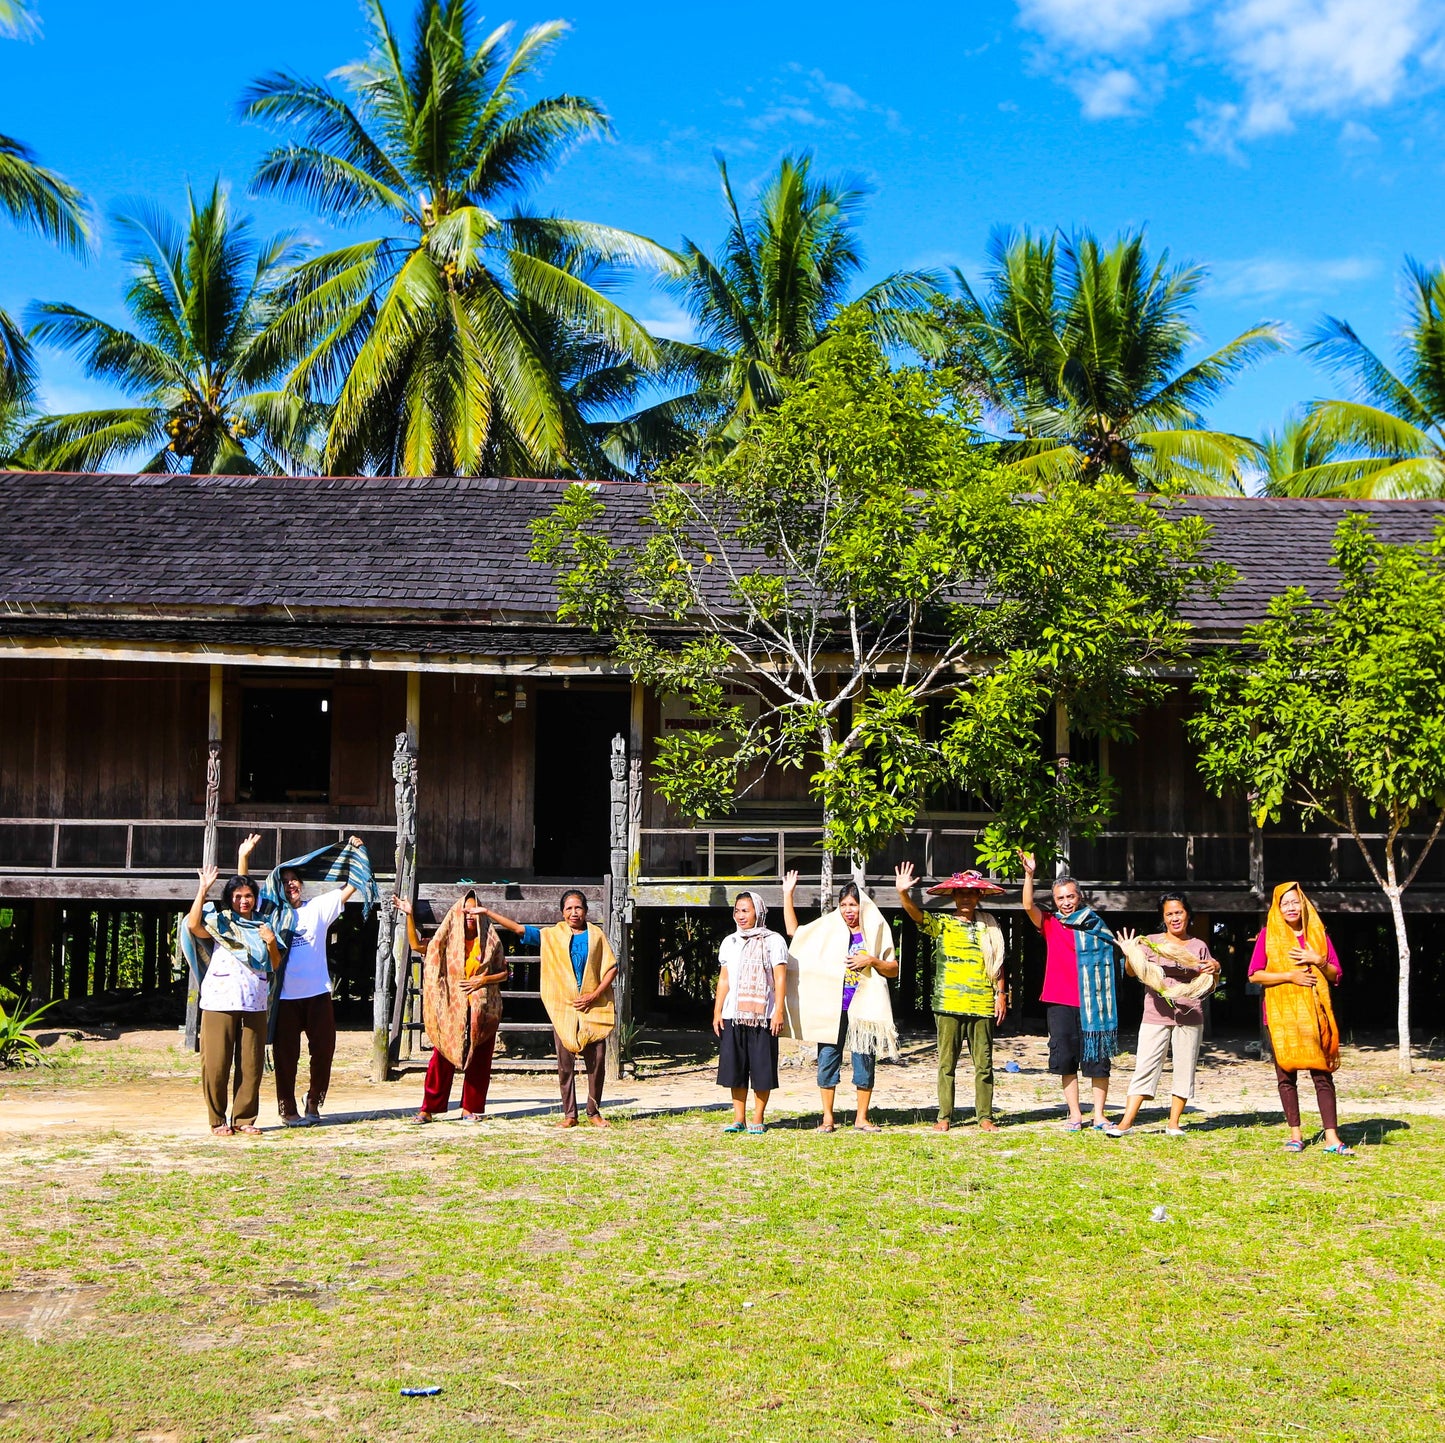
column 733, row 1127
column 1294, row 1145
column 420, row 1118
column 224, row 1130
column 1074, row 1126
column 248, row 1129
column 826, row 1127
column 1338, row 1149
column 757, row 1129
column 866, row 1127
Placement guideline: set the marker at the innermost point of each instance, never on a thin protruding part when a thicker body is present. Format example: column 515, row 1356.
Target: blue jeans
column 830, row 1061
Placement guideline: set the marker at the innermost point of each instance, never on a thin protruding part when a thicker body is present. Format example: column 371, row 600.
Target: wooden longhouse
column 184, row 659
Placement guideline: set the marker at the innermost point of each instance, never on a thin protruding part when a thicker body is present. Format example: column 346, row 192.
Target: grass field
column 664, row 1282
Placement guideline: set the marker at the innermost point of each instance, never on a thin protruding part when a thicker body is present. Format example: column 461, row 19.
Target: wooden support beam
column 42, row 947
column 413, row 710
column 391, row 945
column 616, row 897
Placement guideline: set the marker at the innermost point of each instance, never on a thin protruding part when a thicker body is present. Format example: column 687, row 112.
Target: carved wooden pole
column 391, row 938
column 616, row 901
column 42, row 948
column 210, row 843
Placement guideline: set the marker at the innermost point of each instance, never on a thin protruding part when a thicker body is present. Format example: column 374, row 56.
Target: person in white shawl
column 748, row 1013
column 838, row 993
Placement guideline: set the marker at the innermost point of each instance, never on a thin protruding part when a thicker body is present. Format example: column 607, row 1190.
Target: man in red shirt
column 1061, row 997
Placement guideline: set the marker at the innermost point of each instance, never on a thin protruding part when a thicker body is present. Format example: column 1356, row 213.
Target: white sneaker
column 1174, row 1132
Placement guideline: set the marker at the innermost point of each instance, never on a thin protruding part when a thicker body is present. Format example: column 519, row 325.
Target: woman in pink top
column 1177, row 1029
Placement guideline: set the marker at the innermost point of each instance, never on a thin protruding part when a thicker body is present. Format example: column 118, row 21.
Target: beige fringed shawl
column 817, row 960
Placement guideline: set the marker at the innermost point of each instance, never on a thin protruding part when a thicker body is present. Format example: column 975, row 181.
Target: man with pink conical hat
column 968, row 984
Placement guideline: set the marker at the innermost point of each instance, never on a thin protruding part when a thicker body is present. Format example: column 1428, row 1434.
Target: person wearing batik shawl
column 838, row 993
column 1295, row 963
column 1178, row 973
column 1079, row 994
column 232, row 954
column 969, row 989
column 578, row 970
column 462, row 974
column 747, row 1014
column 301, row 1003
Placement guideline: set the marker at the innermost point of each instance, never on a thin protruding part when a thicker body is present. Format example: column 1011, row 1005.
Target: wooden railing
column 276, row 830
column 771, row 850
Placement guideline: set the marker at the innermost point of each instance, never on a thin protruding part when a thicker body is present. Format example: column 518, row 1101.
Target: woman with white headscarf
column 748, row 1013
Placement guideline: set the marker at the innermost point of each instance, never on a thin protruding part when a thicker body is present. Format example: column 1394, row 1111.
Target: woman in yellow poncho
column 1295, row 963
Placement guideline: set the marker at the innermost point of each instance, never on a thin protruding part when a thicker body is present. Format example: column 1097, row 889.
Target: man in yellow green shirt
column 968, row 984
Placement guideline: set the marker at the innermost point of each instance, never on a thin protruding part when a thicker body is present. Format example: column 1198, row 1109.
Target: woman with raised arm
column 844, row 960
column 1177, row 972
column 461, row 1006
column 1295, row 963
column 747, row 1014
column 233, row 955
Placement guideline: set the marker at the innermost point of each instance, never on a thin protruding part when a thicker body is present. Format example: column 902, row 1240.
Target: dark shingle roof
column 424, row 551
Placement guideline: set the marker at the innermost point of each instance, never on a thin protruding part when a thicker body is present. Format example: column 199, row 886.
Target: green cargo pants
column 952, row 1032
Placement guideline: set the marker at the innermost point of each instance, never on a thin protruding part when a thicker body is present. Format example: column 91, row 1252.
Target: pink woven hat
column 966, row 882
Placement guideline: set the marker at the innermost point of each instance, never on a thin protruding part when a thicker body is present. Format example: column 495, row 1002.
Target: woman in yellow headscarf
column 1296, row 965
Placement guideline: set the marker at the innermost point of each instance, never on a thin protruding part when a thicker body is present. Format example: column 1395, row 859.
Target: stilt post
column 615, row 899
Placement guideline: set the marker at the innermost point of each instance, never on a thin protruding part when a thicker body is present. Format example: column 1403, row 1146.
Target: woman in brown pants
column 234, row 956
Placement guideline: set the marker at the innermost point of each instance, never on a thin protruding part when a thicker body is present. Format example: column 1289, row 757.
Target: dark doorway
column 285, row 744
column 574, row 777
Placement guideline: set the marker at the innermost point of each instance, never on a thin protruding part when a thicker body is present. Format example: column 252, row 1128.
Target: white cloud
column 1270, row 277
column 1107, row 93
column 668, row 320
column 1287, row 58
column 1102, row 26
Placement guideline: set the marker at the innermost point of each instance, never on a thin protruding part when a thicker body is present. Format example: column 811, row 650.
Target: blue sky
column 1292, row 146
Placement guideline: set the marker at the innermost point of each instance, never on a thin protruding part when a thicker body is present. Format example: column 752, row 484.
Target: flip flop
column 866, row 1127
column 224, row 1130
column 1340, row 1150
column 249, row 1129
column 1073, row 1127
column 1293, row 1146
column 757, row 1129
column 736, row 1127
column 826, row 1127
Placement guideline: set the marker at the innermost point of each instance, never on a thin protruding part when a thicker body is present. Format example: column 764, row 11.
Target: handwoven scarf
column 1098, row 1005
column 815, row 984
column 575, row 1028
column 753, row 974
column 1302, row 1027
column 240, row 936
column 457, row 1021
column 340, row 863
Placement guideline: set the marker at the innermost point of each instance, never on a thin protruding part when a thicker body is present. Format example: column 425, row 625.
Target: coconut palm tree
column 36, row 199
column 1080, row 350
column 427, row 337
column 1388, row 440
column 200, row 361
column 1283, row 454
column 761, row 306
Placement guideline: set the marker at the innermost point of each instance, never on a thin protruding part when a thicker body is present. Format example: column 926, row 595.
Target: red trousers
column 475, row 1080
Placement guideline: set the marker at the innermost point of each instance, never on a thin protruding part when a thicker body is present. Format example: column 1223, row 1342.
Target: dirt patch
column 41, row 1313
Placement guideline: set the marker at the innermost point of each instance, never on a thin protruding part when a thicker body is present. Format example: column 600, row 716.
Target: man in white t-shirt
column 305, row 1004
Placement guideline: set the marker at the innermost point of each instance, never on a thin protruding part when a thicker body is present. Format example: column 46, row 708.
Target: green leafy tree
column 199, row 361
column 763, row 304
column 1388, row 438
column 1335, row 711
column 438, row 342
column 36, row 199
column 1296, row 447
column 854, row 557
column 1081, row 350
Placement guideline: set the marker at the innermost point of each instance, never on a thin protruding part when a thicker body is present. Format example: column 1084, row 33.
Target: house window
column 285, row 745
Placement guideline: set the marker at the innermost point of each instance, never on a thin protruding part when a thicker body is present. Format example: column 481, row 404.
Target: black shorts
column 747, row 1057
column 1066, row 1040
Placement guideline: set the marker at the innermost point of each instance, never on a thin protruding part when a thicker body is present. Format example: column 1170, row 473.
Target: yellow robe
column 559, row 986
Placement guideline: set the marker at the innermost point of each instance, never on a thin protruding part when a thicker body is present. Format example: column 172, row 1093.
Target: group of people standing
column 260, row 962
column 827, row 985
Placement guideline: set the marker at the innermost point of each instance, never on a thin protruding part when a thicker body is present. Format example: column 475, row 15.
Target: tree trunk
column 1402, row 943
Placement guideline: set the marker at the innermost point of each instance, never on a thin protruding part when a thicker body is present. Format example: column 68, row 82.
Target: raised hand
column 790, row 882
column 904, row 877
column 208, row 877
column 402, row 905
column 354, row 842
column 1027, row 858
column 248, row 846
